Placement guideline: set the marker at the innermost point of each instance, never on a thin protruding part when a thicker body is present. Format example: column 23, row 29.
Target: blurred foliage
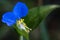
column 8, row 33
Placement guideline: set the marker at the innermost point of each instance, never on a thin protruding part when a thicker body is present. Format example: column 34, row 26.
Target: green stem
column 21, row 37
column 44, row 32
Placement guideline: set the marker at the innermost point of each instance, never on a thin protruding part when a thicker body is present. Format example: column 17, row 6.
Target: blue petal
column 20, row 10
column 9, row 18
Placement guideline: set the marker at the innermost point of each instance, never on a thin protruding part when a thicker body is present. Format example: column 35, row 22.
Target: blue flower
column 20, row 10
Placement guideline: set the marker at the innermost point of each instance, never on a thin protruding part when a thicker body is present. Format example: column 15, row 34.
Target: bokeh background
column 7, row 33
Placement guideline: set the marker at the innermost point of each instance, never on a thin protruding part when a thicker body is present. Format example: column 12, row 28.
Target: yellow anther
column 18, row 22
column 21, row 20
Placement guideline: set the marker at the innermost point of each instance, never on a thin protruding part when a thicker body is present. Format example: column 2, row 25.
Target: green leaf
column 37, row 14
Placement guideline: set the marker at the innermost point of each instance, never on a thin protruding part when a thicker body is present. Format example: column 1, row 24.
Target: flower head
column 20, row 10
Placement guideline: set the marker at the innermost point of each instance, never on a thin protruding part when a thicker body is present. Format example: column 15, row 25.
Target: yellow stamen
column 21, row 21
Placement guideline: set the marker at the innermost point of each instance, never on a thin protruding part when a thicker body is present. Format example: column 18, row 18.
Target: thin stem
column 21, row 37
